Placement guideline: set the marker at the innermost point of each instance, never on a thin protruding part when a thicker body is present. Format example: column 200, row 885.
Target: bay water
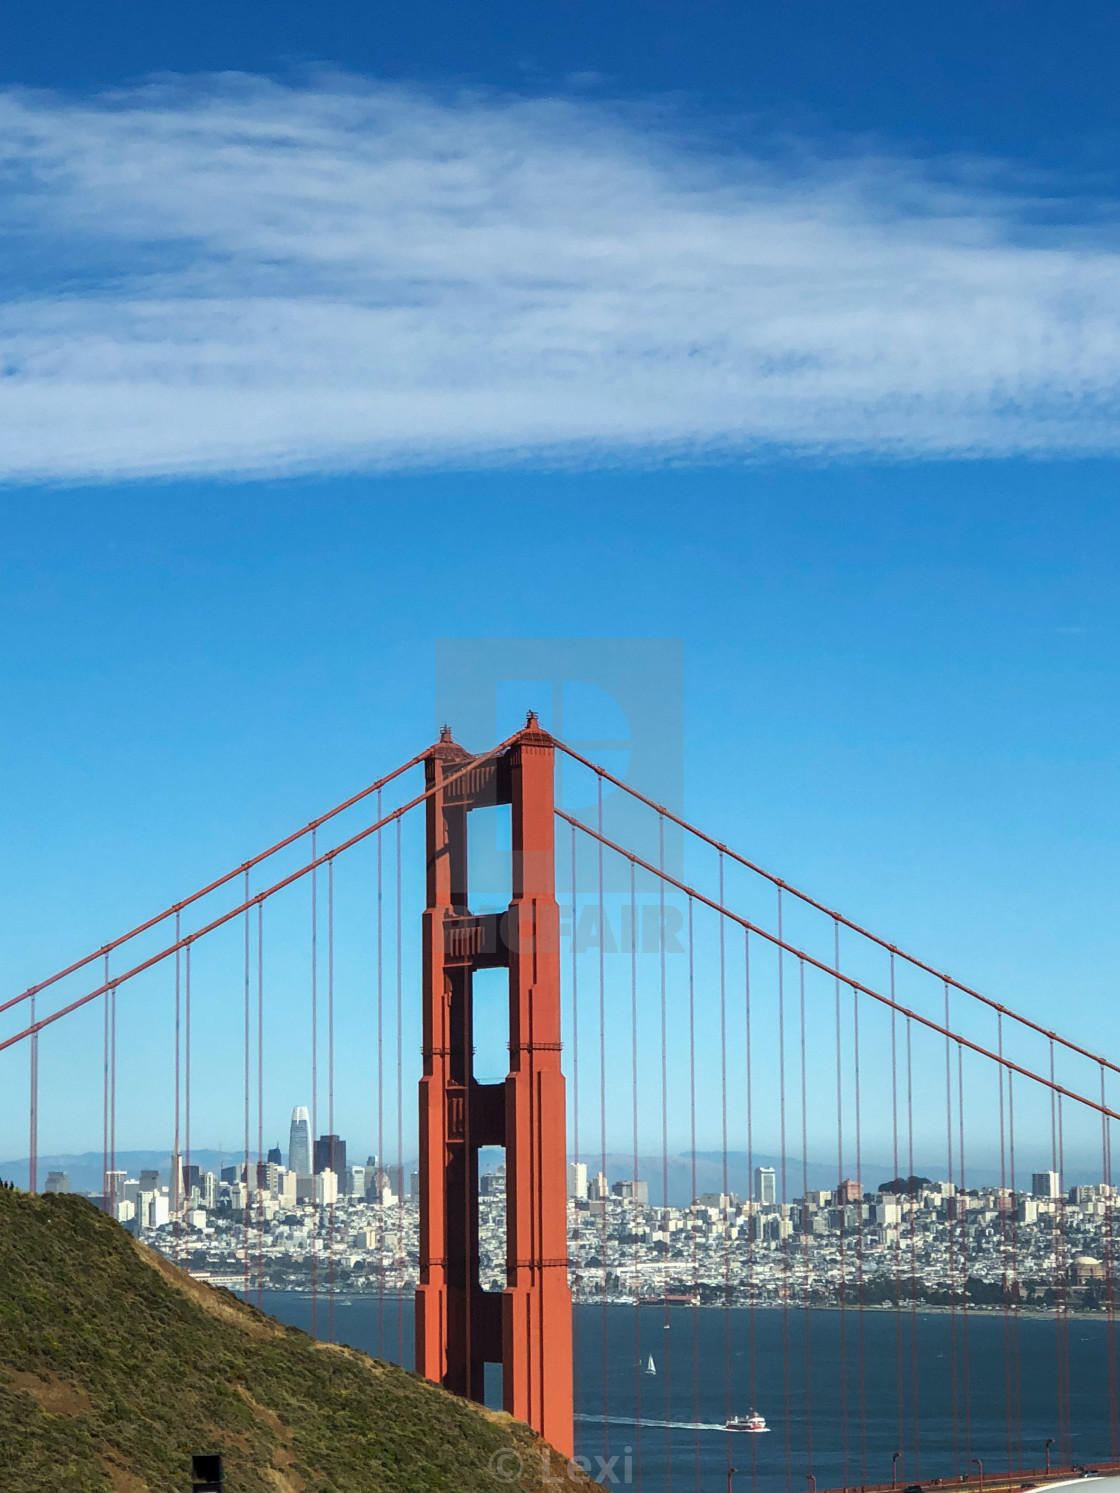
column 842, row 1393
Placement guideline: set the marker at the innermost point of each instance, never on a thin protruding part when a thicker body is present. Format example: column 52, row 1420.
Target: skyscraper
column 299, row 1142
column 330, row 1153
column 765, row 1185
column 1046, row 1184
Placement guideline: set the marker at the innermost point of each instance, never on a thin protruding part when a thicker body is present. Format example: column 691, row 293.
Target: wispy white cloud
column 228, row 275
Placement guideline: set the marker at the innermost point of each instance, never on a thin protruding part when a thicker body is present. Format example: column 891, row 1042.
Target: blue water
column 835, row 1410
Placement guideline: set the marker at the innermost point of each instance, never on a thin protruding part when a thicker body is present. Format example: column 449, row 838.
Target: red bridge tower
column 527, row 1328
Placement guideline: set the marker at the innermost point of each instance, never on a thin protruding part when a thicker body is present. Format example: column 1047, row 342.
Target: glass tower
column 299, row 1142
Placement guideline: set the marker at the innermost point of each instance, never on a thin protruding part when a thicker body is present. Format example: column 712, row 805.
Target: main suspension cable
column 238, row 911
column 779, row 943
column 177, row 907
column 829, row 912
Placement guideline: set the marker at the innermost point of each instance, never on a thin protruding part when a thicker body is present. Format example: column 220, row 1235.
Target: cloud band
column 232, row 276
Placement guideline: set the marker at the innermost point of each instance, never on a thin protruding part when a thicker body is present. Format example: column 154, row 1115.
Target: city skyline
column 1025, row 1247
column 619, row 1168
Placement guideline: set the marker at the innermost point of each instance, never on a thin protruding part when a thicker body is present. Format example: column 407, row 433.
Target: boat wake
column 665, row 1425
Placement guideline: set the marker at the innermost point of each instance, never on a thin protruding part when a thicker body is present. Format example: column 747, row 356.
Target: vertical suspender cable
column 1059, row 1268
column 1013, row 1283
column 260, row 1103
column 844, row 1205
column 187, row 1077
column 1004, row 1246
column 966, row 1362
column 330, row 1099
column 176, row 1159
column 692, row 1185
column 634, row 1148
column 952, row 1204
column 602, row 1114
column 248, row 1183
column 33, row 1110
column 755, row 1219
column 106, row 1199
column 862, row 1338
column 899, row 1375
column 915, row 1409
column 113, row 1079
column 1066, row 1428
column 577, row 1303
column 725, row 1187
column 400, row 1097
column 805, row 1235
column 377, row 1191
column 314, row 1087
column 783, row 1215
column 1109, row 1278
column 664, row 1128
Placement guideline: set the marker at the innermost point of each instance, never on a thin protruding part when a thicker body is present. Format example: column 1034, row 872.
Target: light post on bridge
column 731, row 1471
column 811, row 1480
column 1049, row 1444
column 980, row 1465
column 894, row 1466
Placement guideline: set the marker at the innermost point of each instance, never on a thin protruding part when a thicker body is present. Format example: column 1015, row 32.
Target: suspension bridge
column 754, row 1158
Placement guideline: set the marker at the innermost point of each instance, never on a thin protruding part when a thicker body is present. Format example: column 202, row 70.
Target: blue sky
column 790, row 332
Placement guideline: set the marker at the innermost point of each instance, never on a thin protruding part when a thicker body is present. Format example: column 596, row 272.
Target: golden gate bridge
column 672, row 1007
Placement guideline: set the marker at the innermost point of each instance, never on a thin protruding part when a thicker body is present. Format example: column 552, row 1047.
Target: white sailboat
column 651, row 1367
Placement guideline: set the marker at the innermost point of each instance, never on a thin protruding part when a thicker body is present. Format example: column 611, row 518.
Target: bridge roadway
column 1103, row 1476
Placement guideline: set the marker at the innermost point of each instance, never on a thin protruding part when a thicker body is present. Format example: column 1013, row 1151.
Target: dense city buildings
column 911, row 1237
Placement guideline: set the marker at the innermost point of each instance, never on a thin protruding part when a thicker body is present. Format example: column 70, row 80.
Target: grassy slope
column 114, row 1367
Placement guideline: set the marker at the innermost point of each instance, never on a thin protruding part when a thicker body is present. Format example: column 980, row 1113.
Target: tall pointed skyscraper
column 299, row 1142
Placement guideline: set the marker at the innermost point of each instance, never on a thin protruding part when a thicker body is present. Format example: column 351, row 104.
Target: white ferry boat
column 752, row 1422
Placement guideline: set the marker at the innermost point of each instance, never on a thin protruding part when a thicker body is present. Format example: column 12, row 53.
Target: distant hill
column 86, row 1169
column 115, row 1367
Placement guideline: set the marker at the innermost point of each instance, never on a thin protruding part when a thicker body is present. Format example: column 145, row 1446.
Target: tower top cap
column 531, row 722
column 445, row 733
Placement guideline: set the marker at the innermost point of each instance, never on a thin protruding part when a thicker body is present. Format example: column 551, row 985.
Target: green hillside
column 115, row 1367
